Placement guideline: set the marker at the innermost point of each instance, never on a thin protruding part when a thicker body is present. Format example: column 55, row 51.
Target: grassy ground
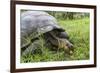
column 78, row 31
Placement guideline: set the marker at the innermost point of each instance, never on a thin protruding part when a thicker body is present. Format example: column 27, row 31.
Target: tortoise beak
column 70, row 46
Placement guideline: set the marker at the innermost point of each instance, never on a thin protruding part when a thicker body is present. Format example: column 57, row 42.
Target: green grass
column 78, row 31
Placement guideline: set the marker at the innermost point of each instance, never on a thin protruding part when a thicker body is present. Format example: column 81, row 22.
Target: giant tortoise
column 39, row 24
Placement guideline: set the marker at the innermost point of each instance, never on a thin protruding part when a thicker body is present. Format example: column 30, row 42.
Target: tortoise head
column 60, row 40
column 65, row 44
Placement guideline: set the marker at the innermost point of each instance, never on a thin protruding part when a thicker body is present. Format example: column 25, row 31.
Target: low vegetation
column 78, row 30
